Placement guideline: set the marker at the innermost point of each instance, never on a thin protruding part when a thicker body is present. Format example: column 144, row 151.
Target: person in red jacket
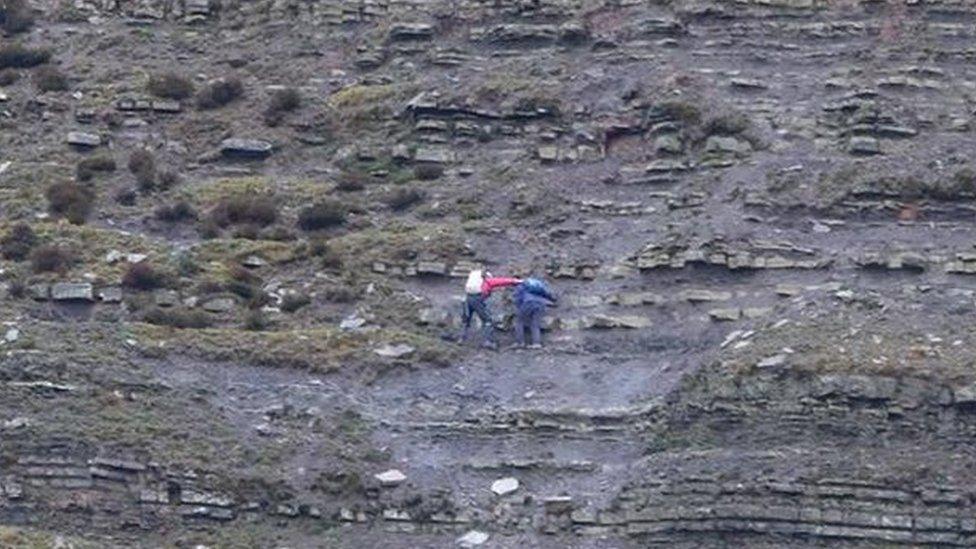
column 477, row 291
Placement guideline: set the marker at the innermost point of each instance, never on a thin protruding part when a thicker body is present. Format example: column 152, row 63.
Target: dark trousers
column 531, row 319
column 474, row 304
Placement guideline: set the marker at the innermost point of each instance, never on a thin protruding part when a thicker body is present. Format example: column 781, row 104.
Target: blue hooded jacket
column 527, row 302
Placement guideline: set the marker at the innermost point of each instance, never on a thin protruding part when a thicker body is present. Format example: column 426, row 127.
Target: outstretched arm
column 498, row 282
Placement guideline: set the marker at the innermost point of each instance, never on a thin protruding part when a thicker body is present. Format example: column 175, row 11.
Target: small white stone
column 392, row 477
column 473, row 538
column 772, row 361
column 114, row 256
column 505, row 486
column 352, row 322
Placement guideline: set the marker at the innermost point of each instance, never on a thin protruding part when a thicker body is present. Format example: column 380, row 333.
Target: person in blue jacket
column 531, row 298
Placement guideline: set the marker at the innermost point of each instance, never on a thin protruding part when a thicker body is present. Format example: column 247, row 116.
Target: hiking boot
column 535, row 346
column 490, row 345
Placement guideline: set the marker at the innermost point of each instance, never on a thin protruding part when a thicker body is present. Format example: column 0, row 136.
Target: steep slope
column 234, row 235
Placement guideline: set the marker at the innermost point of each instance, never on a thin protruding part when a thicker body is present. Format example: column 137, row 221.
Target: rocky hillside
column 233, row 239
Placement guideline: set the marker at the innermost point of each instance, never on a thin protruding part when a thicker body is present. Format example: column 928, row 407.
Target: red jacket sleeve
column 497, row 282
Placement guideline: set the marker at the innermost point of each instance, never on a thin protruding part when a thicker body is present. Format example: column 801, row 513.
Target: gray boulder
column 727, row 145
column 83, row 140
column 219, row 304
column 72, row 291
column 110, row 294
column 399, row 350
column 245, row 148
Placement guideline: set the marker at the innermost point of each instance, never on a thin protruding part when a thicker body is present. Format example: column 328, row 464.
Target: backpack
column 536, row 286
column 475, row 279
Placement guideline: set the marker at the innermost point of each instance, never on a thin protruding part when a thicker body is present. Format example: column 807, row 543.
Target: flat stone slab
column 219, row 304
column 699, row 296
column 111, row 294
column 72, row 291
column 411, row 31
column 864, row 146
column 82, row 139
column 438, row 268
column 726, row 315
column 433, row 155
column 605, row 322
column 246, row 148
column 167, row 106
column 399, row 350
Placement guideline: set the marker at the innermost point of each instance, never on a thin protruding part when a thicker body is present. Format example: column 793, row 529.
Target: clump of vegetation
column 340, row 293
column 143, row 276
column 247, row 285
column 208, row 229
column 126, row 197
column 282, row 101
column 181, row 210
column 17, row 244
column 684, row 112
column 259, row 211
column 167, row 179
column 518, row 93
column 328, row 255
column 186, row 264
column 428, row 172
column 278, row 233
column 50, row 79
column 352, row 181
column 51, row 259
column 255, row 321
column 71, row 200
column 219, row 93
column 362, row 106
column 17, row 289
column 15, row 16
column 727, row 124
column 322, row 215
column 247, row 232
column 18, row 56
column 402, row 199
column 170, row 85
column 89, row 167
column 964, row 182
column 294, row 301
column 8, row 77
column 178, row 318
column 142, row 164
